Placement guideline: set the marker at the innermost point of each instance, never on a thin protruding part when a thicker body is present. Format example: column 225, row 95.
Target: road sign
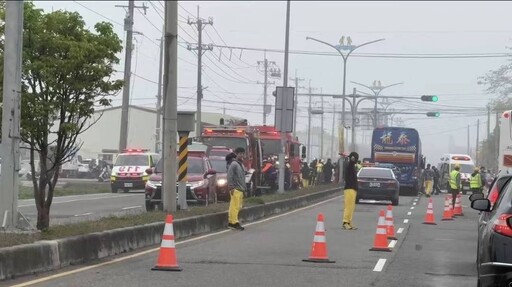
column 284, row 109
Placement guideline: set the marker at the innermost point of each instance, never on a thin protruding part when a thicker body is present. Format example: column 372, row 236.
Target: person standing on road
column 437, row 190
column 305, row 172
column 475, row 182
column 455, row 183
column 237, row 187
column 327, row 171
column 350, row 192
column 483, row 176
column 428, row 178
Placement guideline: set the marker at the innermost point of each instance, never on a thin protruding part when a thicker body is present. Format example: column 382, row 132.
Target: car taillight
column 493, row 194
column 502, row 225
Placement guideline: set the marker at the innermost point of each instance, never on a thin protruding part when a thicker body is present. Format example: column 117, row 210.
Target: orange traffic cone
column 390, row 225
column 457, row 211
column 461, row 213
column 429, row 216
column 447, row 214
column 450, row 200
column 319, row 247
column 381, row 238
column 167, row 256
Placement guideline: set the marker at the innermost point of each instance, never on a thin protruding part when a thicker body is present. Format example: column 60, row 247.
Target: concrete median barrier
column 43, row 256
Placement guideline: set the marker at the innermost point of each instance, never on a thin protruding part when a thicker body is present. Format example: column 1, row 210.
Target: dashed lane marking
column 412, row 207
column 414, row 203
column 406, row 220
column 409, row 213
column 400, row 230
column 83, row 214
column 380, row 265
column 131, row 207
column 392, row 244
column 120, row 259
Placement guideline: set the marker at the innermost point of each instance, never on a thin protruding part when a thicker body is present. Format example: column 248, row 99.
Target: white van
column 448, row 162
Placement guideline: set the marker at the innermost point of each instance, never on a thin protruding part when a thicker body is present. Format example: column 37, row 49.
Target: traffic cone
column 319, row 247
column 167, row 256
column 380, row 242
column 390, row 225
column 450, row 200
column 429, row 216
column 447, row 214
column 458, row 206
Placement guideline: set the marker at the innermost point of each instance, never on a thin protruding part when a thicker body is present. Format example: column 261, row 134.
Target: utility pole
column 309, row 124
column 268, row 66
column 477, row 140
column 200, row 24
column 488, row 122
column 296, row 101
column 333, row 125
column 468, row 141
column 169, row 145
column 159, row 96
column 9, row 182
column 321, row 127
column 128, row 27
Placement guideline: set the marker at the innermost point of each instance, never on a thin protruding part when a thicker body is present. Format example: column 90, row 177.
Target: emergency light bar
column 135, row 150
column 461, row 158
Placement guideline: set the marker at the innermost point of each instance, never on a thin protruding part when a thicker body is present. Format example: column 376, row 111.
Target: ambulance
column 129, row 170
column 447, row 164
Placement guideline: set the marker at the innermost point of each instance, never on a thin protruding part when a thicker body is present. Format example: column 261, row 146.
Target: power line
column 99, row 14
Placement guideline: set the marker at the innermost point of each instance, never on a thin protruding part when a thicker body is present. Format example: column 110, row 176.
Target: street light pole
column 350, row 48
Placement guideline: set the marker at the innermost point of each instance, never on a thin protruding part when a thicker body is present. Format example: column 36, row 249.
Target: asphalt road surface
column 270, row 253
column 76, row 208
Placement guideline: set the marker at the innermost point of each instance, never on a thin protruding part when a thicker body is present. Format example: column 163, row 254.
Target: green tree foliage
column 66, row 75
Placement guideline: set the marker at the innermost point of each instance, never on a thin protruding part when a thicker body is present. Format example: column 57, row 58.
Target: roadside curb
column 43, row 256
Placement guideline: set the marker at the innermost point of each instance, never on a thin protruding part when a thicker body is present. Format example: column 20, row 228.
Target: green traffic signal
column 433, row 114
column 429, row 98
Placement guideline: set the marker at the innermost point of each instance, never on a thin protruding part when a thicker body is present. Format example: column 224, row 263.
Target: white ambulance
column 129, row 170
column 448, row 162
column 505, row 143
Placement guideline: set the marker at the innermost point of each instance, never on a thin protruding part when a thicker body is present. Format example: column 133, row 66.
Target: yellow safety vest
column 475, row 181
column 453, row 179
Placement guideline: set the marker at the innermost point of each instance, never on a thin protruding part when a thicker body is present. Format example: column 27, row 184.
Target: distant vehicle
column 494, row 257
column 447, row 164
column 85, row 167
column 129, row 171
column 402, row 148
column 217, row 156
column 201, row 182
column 378, row 183
column 505, row 143
column 26, row 171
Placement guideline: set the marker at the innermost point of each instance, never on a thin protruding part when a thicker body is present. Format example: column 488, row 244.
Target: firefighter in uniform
column 476, row 181
column 455, row 183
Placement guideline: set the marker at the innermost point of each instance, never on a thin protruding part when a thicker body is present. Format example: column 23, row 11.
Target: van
column 447, row 164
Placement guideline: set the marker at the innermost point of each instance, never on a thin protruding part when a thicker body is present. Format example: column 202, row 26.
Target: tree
column 499, row 81
column 66, row 75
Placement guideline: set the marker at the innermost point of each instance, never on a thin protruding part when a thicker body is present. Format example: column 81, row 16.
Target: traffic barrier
column 390, row 224
column 457, row 211
column 429, row 216
column 319, row 247
column 380, row 242
column 167, row 256
column 447, row 214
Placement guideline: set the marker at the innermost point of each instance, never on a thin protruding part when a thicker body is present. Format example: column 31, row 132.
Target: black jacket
column 351, row 176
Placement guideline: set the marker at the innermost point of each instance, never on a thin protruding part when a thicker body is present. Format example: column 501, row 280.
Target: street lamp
column 376, row 88
column 342, row 47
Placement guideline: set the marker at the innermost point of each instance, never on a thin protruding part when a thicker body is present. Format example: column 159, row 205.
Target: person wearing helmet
column 350, row 192
column 475, row 181
column 455, row 183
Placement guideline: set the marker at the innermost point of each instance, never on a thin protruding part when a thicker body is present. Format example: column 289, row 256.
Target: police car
column 129, row 171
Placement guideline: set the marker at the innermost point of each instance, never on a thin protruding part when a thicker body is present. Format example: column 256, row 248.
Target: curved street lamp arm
column 368, row 87
column 330, row 45
column 364, row 44
column 392, row 85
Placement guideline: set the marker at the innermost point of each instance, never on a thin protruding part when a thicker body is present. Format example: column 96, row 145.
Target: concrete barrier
column 43, row 256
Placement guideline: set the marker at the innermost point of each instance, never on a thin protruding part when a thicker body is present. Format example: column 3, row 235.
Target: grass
column 75, row 188
column 113, row 222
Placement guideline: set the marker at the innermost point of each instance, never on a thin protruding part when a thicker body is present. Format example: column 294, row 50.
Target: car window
column 374, row 172
column 505, row 197
column 218, row 165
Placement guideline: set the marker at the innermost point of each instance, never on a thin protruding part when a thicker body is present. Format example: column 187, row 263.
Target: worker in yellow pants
column 350, row 206
column 428, row 179
column 235, row 205
column 236, row 186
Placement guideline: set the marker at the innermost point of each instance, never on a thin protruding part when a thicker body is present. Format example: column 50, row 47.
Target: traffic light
column 433, row 114
column 429, row 98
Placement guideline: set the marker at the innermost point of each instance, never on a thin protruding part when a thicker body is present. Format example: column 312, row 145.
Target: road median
column 48, row 255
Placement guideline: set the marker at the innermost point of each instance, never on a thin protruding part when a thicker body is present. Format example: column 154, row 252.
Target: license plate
column 128, row 184
column 465, row 187
column 374, row 184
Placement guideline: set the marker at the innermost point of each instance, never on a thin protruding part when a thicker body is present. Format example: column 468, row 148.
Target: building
column 103, row 136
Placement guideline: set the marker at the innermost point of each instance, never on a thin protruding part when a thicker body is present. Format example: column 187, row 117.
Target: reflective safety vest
column 453, row 179
column 475, row 181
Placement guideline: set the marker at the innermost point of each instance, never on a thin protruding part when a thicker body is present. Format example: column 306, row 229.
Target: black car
column 377, row 183
column 494, row 258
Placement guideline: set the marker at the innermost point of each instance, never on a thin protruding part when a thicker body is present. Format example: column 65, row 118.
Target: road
column 76, row 208
column 270, row 253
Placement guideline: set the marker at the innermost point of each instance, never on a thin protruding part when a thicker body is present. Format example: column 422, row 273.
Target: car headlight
column 153, row 184
column 222, row 181
column 196, row 184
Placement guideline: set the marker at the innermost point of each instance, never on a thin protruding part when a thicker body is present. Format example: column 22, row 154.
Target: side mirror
column 476, row 196
column 210, row 172
column 149, row 171
column 481, row 205
column 303, row 152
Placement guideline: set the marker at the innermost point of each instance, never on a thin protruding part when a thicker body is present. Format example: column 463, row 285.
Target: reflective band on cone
column 457, row 211
column 447, row 214
column 319, row 247
column 429, row 216
column 390, row 225
column 167, row 256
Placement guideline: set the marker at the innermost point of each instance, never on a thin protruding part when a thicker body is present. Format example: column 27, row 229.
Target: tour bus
column 505, row 142
column 448, row 163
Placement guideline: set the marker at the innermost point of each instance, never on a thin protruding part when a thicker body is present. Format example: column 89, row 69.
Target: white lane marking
column 400, row 230
column 412, row 207
column 406, row 220
column 120, row 259
column 83, row 214
column 414, row 203
column 75, row 200
column 131, row 207
column 392, row 244
column 380, row 265
column 409, row 213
